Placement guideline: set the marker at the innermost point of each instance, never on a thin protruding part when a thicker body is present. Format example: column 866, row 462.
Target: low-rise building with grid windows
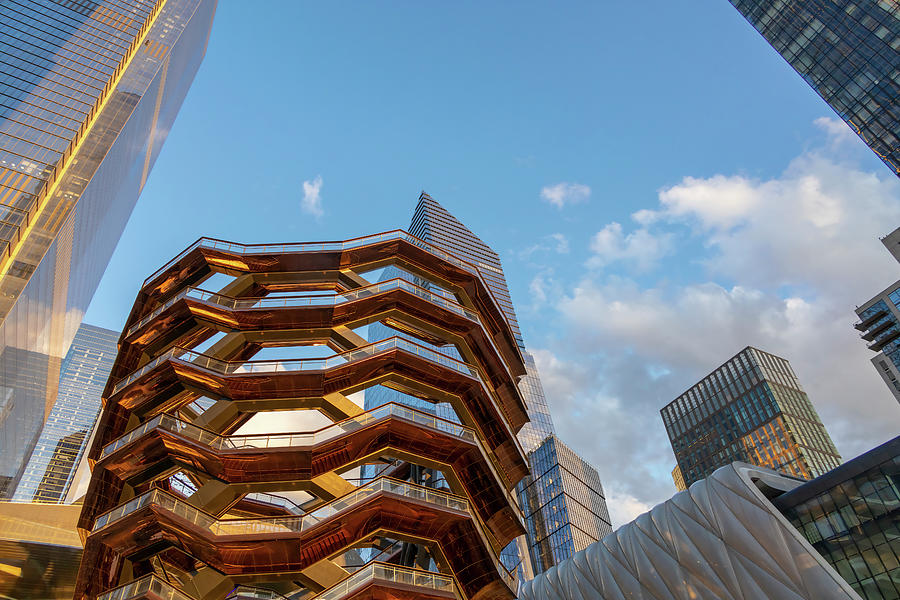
column 851, row 516
column 750, row 409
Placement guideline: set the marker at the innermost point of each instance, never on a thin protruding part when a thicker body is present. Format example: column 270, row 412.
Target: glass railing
column 397, row 234
column 391, row 573
column 149, row 584
column 301, row 364
column 374, row 571
column 186, row 511
column 287, row 440
column 275, row 500
column 315, row 299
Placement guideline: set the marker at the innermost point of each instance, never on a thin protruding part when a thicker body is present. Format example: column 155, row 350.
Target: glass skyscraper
column 562, row 498
column 879, row 324
column 88, row 92
column 54, row 460
column 750, row 409
column 847, row 51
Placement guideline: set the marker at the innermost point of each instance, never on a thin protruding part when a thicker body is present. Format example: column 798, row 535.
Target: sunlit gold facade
column 88, row 93
column 185, row 500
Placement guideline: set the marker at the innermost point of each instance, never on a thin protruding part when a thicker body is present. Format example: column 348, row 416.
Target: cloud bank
column 784, row 261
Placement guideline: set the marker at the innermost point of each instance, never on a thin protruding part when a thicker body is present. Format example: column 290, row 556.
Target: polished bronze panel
column 162, row 389
column 201, row 318
column 159, row 451
column 152, row 529
column 168, row 465
column 192, row 267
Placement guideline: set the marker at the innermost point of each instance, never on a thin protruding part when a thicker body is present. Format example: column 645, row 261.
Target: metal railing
column 374, row 571
column 171, row 503
column 302, row 364
column 313, row 299
column 396, row 234
column 286, row 440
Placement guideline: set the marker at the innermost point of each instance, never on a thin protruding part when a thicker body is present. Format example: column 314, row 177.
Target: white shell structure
column 722, row 539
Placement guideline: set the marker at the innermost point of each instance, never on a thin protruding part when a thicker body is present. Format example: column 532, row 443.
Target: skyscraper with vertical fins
column 561, row 498
column 89, row 89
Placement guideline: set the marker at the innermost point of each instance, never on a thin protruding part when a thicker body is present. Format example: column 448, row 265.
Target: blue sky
column 678, row 110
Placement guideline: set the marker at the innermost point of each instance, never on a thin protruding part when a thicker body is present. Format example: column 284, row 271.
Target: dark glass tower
column 851, row 516
column 847, row 51
column 51, row 468
column 750, row 409
column 88, row 92
column 562, row 498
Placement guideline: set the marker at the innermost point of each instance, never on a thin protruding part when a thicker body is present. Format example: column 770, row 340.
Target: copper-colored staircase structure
column 183, row 504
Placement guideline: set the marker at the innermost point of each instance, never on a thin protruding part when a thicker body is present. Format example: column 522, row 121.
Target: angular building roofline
column 848, row 470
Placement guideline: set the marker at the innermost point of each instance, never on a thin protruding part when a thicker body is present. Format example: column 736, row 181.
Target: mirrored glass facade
column 847, row 51
column 851, row 516
column 559, row 522
column 88, row 93
column 565, row 510
column 51, row 468
column 751, row 409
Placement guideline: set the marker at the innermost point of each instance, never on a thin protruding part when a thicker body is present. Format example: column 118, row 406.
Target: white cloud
column 839, row 133
column 645, row 217
column 554, row 242
column 311, row 203
column 718, row 201
column 787, row 259
column 640, row 248
column 561, row 194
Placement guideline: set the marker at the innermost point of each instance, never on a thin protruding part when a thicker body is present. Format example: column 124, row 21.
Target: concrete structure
column 751, row 409
column 183, row 503
column 88, row 92
column 879, row 324
column 722, row 539
column 847, row 51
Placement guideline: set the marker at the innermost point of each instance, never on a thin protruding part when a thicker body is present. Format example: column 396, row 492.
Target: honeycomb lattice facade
column 184, row 503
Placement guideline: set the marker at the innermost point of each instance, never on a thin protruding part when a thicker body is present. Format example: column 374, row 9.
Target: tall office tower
column 847, row 51
column 562, row 498
column 750, row 409
column 879, row 322
column 88, row 92
column 49, row 472
column 184, row 502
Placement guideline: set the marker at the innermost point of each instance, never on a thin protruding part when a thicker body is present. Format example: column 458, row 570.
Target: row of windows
column 847, row 52
column 855, row 526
